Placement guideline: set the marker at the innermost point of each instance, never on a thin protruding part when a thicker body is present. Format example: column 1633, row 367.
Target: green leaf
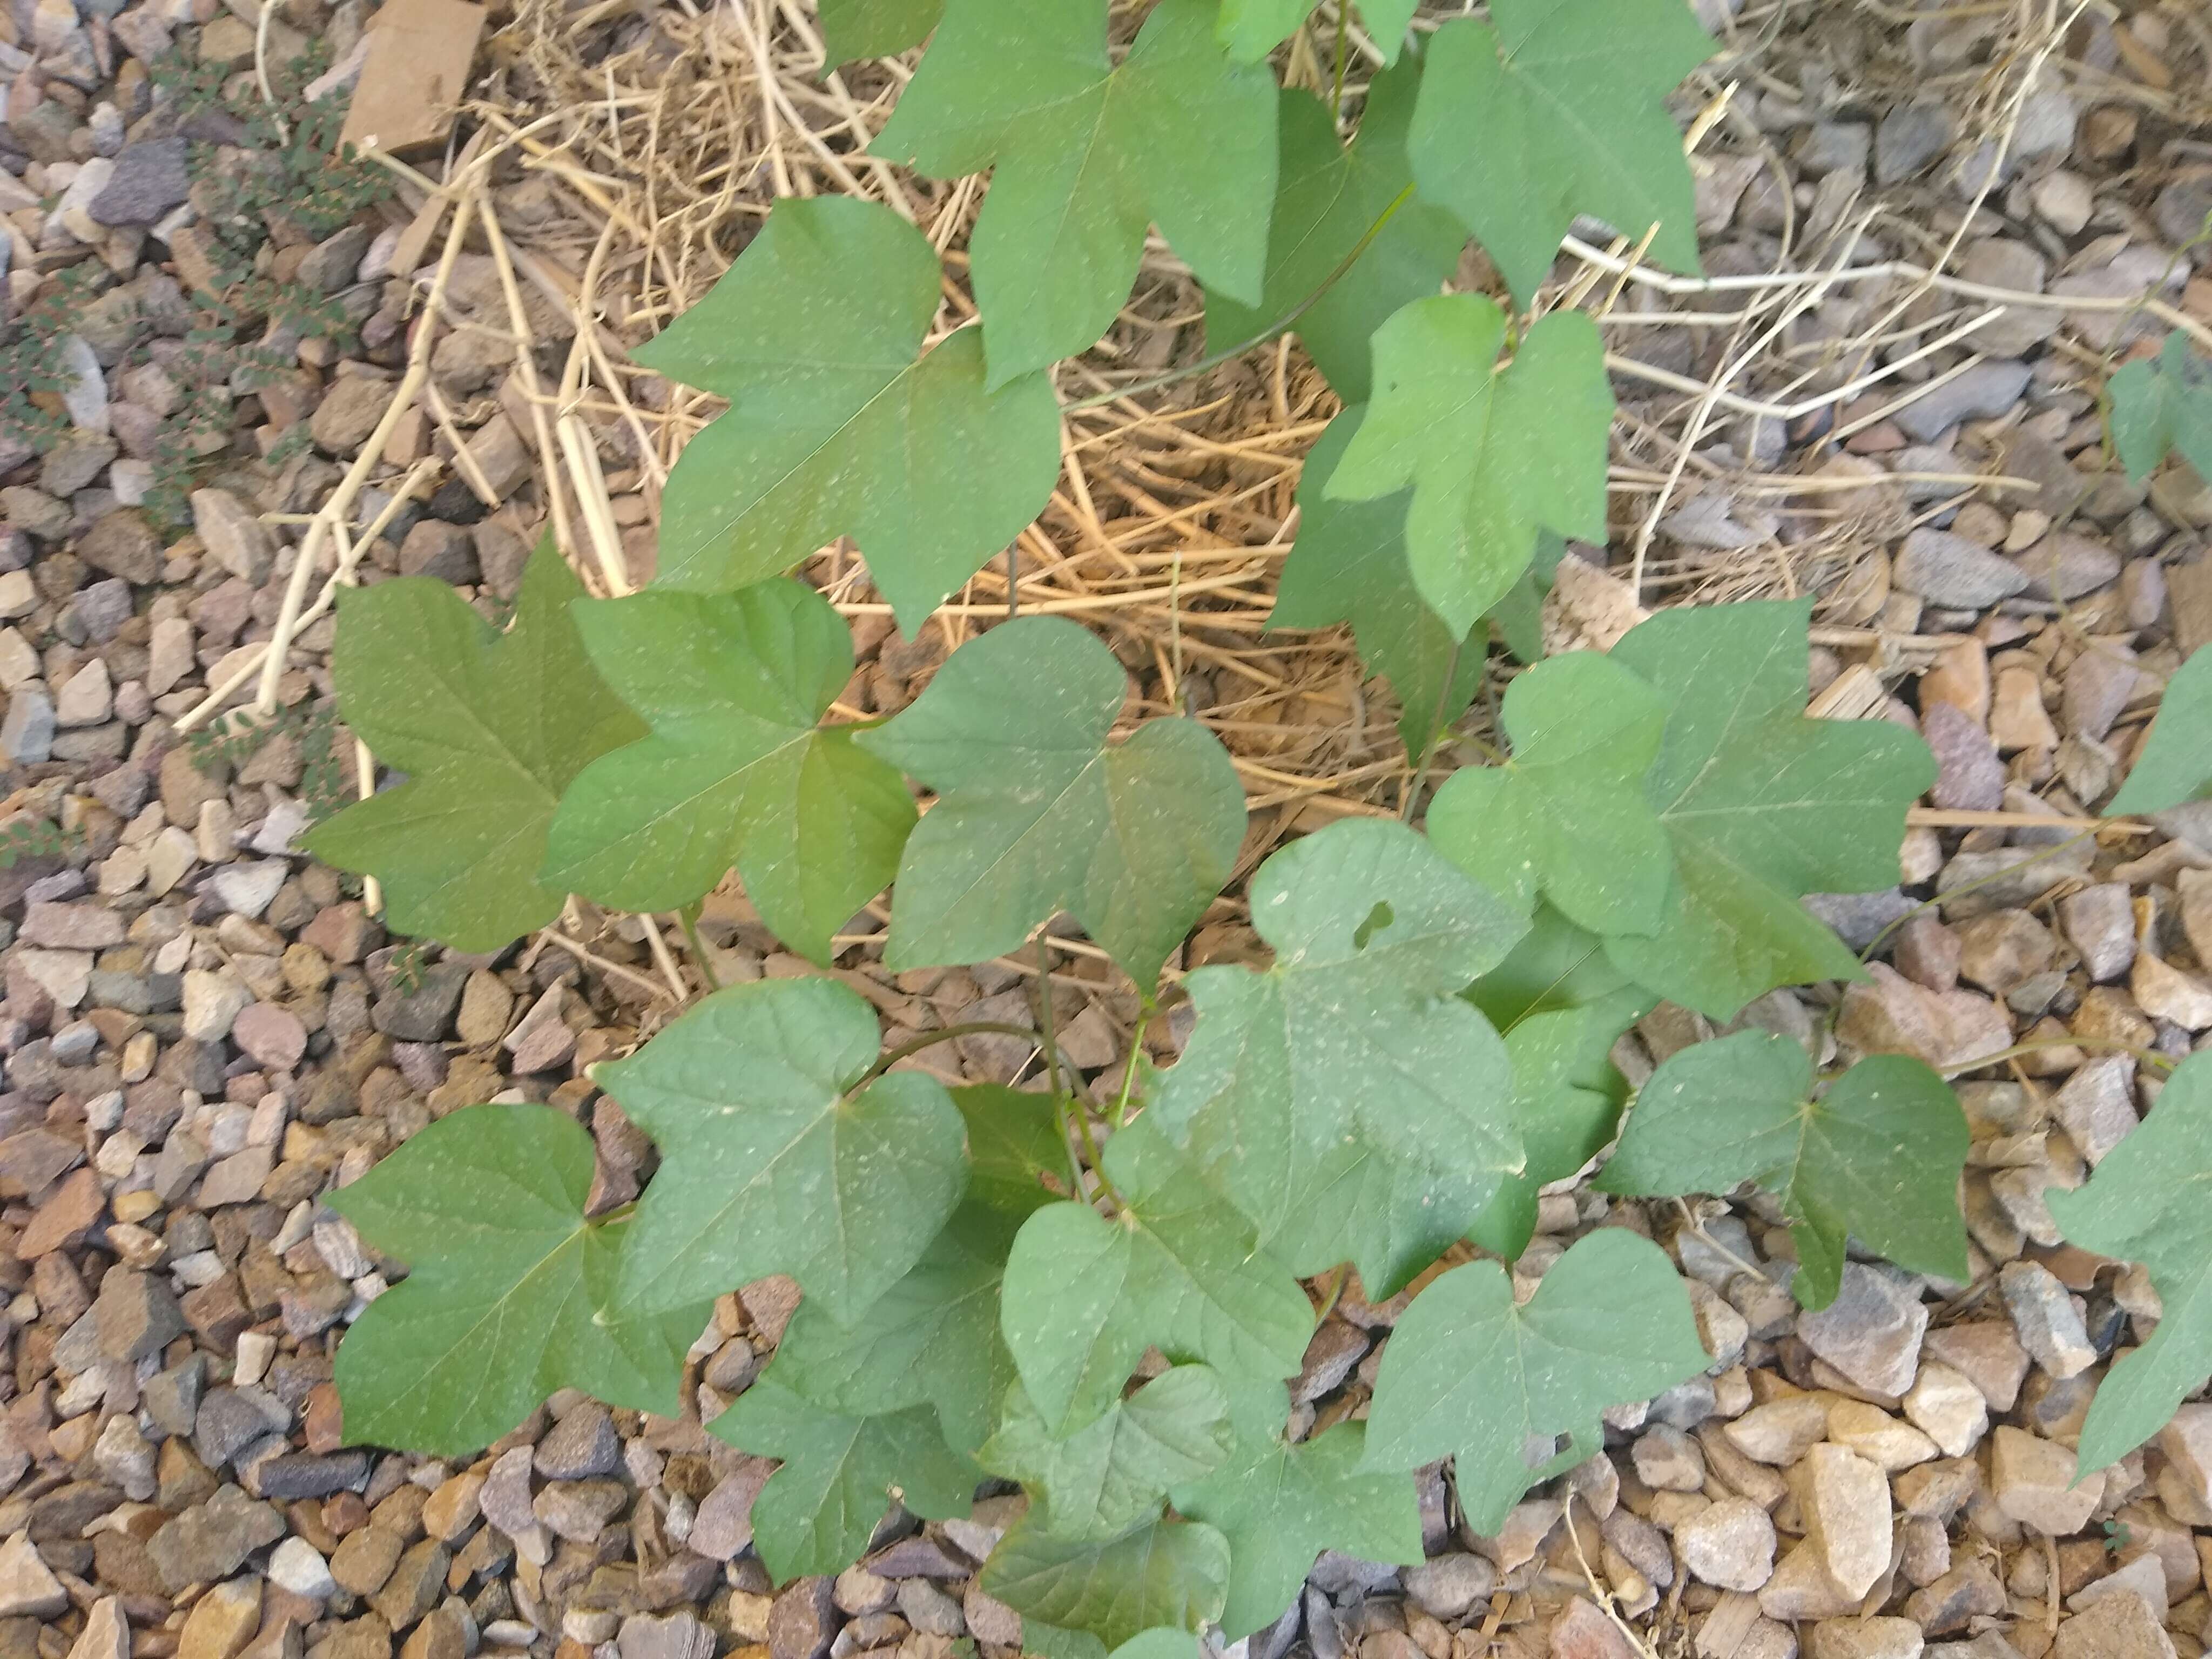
column 1348, row 564
column 489, row 731
column 1085, row 1296
column 1084, row 154
column 840, row 1473
column 2174, row 765
column 1355, row 1031
column 1164, row 1573
column 1110, row 1475
column 1764, row 805
column 2147, row 1203
column 1469, row 1374
column 773, row 1161
column 840, row 424
column 508, row 1299
column 1039, row 812
column 735, row 770
column 1280, row 1510
column 1329, row 198
column 1014, row 1143
column 875, row 28
column 1878, row 1156
column 1250, row 29
column 1567, row 815
column 1159, row 1644
column 931, row 1340
column 1567, row 1099
column 1558, row 965
column 1496, row 454
column 2162, row 406
column 1554, row 108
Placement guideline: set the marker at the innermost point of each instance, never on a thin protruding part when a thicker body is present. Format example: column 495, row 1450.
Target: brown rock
column 804, row 1620
column 63, row 1218
column 1581, row 1632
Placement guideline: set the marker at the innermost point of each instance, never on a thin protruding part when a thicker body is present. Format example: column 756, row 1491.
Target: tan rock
column 1802, row 1588
column 1947, row 1406
column 1876, row 1435
column 1780, row 1431
column 1960, row 677
column 222, row 1621
column 1845, row 1500
column 2164, row 991
column 2033, row 1482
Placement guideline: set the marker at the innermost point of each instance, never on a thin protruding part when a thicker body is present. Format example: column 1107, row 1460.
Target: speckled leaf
column 508, row 1298
column 840, row 1475
column 840, row 423
column 1083, row 154
column 1764, row 806
column 1496, row 453
column 1469, row 1375
column 1355, row 1033
column 1085, row 1297
column 736, row 770
column 1250, row 29
column 1165, row 1573
column 1110, row 1475
column 2174, row 765
column 489, row 729
column 2162, row 406
column 1552, row 109
column 1877, row 1158
column 773, row 1161
column 875, row 28
column 1039, row 812
column 2147, row 1203
column 1566, row 814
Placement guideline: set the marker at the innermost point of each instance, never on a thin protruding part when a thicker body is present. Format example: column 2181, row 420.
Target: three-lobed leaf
column 840, row 1475
column 1250, row 29
column 840, row 423
column 1329, row 198
column 2161, row 407
column 1176, row 1270
column 489, row 729
column 1109, row 1475
column 2146, row 1203
column 510, row 1296
column 1764, row 806
column 1496, row 453
column 1552, row 109
column 1877, row 1156
column 1169, row 1574
column 2174, row 765
column 1355, row 1036
column 773, row 1161
column 1039, row 812
column 1470, row 1375
column 1348, row 564
column 875, row 28
column 1566, row 814
column 1083, row 154
column 736, row 768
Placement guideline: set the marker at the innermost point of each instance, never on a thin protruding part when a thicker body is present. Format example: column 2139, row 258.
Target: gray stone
column 2044, row 1315
column 310, row 1474
column 123, row 544
column 150, row 178
column 2098, row 685
column 234, row 537
column 1451, row 1586
column 671, row 1636
column 2099, row 923
column 1952, row 572
column 2124, row 1628
column 929, row 1609
column 579, row 1511
column 803, row 1621
column 29, row 1588
column 1969, row 776
column 1986, row 389
column 2098, row 1105
column 102, row 608
column 425, row 1014
column 1911, row 136
column 1871, row 1331
column 2064, row 566
column 211, row 1540
column 1835, row 146
column 137, row 1314
column 1729, row 1543
column 580, row 1445
column 1865, row 1638
column 26, row 735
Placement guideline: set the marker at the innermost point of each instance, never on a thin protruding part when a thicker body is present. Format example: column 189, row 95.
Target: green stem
column 689, row 915
column 2147, row 1056
column 1343, row 50
column 1288, row 320
column 1412, row 794
column 891, row 1057
column 1337, row 1281
column 1044, row 1018
column 1926, row 905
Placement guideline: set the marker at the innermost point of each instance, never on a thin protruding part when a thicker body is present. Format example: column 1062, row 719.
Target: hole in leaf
column 1377, row 919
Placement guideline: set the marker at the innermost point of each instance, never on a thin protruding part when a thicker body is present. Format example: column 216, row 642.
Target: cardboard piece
column 417, row 72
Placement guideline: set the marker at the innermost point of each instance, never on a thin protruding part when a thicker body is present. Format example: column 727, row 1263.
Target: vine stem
column 1412, row 794
column 1289, row 319
column 1926, row 905
column 2147, row 1056
column 689, row 915
column 891, row 1057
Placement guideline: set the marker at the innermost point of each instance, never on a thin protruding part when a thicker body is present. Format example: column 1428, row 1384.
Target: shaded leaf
column 931, row 1340
column 508, row 1299
column 1558, row 965
column 1329, row 196
column 1554, row 108
column 1013, row 1144
column 736, row 768
column 1566, row 814
column 1083, row 154
column 1763, row 804
column 875, row 28
column 772, row 1160
column 1250, row 29
column 1356, row 1032
column 490, row 730
column 1496, row 454
column 2174, row 765
column 2147, row 1203
column 840, row 423
column 2161, row 407
column 1085, row 1297
column 1110, row 1474
column 1284, row 1507
column 1165, row 1573
column 1348, row 564
column 1039, row 812
column 840, row 1475
column 1876, row 1158
column 1470, row 1375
